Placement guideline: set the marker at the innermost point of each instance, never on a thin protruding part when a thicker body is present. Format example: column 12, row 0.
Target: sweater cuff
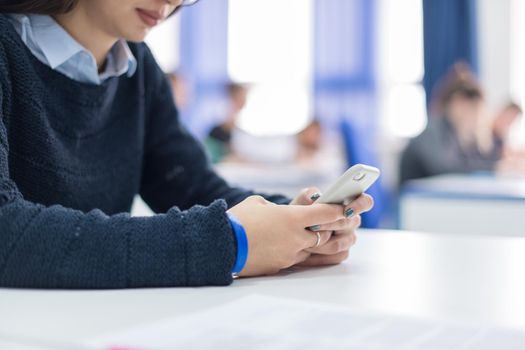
column 209, row 245
column 242, row 244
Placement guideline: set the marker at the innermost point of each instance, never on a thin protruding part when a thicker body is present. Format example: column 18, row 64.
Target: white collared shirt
column 53, row 46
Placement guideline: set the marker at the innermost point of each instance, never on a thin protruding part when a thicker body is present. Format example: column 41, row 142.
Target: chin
column 137, row 37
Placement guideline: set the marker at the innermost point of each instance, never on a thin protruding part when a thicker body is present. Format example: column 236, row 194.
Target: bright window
column 401, row 67
column 517, row 68
column 406, row 106
column 517, row 54
column 270, row 47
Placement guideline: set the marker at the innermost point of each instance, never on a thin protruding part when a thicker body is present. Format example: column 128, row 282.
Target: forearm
column 56, row 247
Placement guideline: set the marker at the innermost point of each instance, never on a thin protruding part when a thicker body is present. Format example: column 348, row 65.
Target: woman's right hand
column 277, row 234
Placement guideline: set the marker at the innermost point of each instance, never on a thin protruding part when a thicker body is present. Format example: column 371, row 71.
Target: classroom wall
column 494, row 25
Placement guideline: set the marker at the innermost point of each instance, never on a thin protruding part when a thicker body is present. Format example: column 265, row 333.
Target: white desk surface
column 471, row 279
column 485, row 186
column 475, row 204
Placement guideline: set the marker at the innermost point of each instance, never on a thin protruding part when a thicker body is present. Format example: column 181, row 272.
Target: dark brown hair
column 43, row 7
column 465, row 90
column 460, row 81
column 234, row 88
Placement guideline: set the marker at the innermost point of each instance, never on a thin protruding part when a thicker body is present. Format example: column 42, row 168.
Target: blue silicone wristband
column 242, row 244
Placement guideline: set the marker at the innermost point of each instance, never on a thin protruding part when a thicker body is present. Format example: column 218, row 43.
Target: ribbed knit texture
column 72, row 158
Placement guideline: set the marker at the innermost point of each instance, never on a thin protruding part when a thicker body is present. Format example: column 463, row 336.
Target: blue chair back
column 358, row 150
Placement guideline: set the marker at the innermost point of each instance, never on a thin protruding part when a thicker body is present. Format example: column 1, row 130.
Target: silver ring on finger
column 318, row 240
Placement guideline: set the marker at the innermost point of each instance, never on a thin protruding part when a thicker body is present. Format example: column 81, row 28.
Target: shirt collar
column 120, row 61
column 58, row 47
column 56, row 44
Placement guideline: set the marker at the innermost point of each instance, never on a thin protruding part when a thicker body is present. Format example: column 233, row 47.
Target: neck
column 78, row 24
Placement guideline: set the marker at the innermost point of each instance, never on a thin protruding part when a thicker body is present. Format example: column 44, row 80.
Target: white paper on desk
column 260, row 322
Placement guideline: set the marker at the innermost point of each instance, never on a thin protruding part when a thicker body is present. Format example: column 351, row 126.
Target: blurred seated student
column 319, row 149
column 87, row 122
column 219, row 141
column 309, row 141
column 450, row 143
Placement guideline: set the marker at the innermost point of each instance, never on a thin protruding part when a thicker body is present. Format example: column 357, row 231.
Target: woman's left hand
column 336, row 249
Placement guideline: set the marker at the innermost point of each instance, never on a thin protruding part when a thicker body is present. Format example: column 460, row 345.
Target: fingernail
column 315, row 228
column 349, row 212
column 315, row 196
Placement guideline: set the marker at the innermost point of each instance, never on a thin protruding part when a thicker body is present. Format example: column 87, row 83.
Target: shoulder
column 4, row 32
column 10, row 42
column 7, row 31
column 10, row 48
column 422, row 144
column 4, row 22
column 152, row 77
column 3, row 52
column 147, row 68
column 432, row 133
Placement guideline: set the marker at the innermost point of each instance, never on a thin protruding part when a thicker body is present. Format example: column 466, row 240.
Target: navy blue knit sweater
column 72, row 158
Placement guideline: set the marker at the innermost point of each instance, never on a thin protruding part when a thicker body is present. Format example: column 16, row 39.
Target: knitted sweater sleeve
column 176, row 170
column 58, row 247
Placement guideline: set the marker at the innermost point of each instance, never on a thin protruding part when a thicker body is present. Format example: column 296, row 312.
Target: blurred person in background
column 219, row 139
column 451, row 142
column 309, row 141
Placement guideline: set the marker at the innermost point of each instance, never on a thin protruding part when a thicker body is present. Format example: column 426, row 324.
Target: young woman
column 86, row 123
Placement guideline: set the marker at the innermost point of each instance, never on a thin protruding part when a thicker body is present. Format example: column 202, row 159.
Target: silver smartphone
column 350, row 185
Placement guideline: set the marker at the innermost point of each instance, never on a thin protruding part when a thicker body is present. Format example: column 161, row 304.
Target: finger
column 310, row 239
column 345, row 224
column 356, row 224
column 307, row 196
column 336, row 245
column 323, row 260
column 318, row 214
column 361, row 204
column 352, row 235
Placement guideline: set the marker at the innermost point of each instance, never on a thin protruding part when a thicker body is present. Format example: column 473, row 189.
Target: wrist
column 242, row 244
